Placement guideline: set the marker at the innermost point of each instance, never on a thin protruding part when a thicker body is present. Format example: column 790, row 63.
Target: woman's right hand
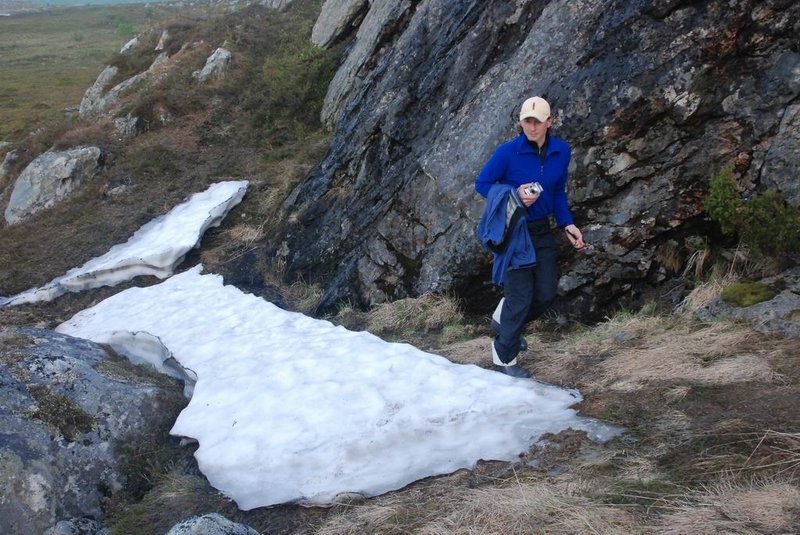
column 526, row 199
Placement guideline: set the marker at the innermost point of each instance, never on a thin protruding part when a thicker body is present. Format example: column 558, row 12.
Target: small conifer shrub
column 765, row 224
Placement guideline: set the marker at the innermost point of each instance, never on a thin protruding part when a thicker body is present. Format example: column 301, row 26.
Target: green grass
column 49, row 58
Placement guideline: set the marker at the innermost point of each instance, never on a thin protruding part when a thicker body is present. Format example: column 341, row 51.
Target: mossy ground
column 59, row 411
column 745, row 294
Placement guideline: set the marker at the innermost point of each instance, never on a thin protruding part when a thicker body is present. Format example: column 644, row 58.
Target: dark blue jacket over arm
column 519, row 250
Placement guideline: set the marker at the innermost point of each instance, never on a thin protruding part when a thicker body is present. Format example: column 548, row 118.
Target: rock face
column 653, row 95
column 781, row 169
column 90, row 102
column 127, row 47
column 65, row 402
column 77, row 526
column 8, row 160
column 383, row 19
column 48, row 179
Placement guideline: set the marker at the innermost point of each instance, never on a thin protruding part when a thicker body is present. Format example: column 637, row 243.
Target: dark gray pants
column 528, row 291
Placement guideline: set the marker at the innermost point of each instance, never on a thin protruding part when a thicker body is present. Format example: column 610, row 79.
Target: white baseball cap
column 535, row 107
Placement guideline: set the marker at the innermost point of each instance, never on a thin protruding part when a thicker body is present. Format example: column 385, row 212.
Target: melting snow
column 290, row 408
column 155, row 249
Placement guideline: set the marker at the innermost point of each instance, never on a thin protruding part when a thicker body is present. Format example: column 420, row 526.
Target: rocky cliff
column 653, row 95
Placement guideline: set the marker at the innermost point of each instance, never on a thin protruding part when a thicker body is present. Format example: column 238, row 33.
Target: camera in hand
column 533, row 189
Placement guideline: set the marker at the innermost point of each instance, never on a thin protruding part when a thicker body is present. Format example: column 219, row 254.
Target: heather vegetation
column 260, row 123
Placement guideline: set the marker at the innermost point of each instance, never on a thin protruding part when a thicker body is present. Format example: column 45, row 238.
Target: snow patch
column 155, row 249
column 288, row 408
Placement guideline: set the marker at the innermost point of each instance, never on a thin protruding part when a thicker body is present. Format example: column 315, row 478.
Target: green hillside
column 49, row 58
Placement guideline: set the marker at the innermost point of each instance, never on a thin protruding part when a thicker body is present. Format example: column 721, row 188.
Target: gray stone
column 336, row 20
column 48, row 179
column 210, row 524
column 94, row 94
column 64, row 404
column 77, row 526
column 781, row 314
column 216, row 66
column 162, row 41
column 653, row 97
column 379, row 21
column 276, row 4
column 127, row 47
column 9, row 159
column 126, row 127
column 97, row 101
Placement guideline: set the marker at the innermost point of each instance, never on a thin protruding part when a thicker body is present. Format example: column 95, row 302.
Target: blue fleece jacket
column 516, row 162
column 492, row 228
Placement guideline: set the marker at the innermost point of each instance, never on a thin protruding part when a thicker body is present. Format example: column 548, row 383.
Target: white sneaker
column 508, row 368
column 496, row 359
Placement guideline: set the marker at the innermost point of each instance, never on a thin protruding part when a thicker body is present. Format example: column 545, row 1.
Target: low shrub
column 723, row 201
column 769, row 225
column 765, row 224
column 98, row 135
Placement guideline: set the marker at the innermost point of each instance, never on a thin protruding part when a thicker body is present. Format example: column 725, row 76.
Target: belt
column 539, row 226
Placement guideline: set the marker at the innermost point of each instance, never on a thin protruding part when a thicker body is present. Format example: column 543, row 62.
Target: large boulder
column 210, row 524
column 49, row 178
column 66, row 404
column 654, row 96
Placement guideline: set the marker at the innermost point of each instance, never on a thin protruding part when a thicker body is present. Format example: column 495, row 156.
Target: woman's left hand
column 575, row 237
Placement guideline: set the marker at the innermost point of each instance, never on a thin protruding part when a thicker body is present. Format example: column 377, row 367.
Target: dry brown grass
column 641, row 350
column 704, row 293
column 475, row 351
column 783, row 452
column 709, row 356
column 426, row 312
column 764, row 506
column 518, row 506
column 614, row 332
column 530, row 509
column 242, row 239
